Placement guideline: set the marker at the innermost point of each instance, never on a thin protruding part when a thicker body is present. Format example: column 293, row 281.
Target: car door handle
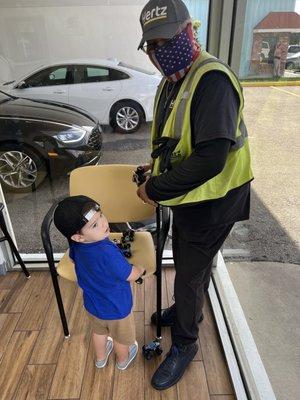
column 107, row 89
column 60, row 91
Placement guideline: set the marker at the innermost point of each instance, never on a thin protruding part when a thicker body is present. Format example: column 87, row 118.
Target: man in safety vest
column 200, row 166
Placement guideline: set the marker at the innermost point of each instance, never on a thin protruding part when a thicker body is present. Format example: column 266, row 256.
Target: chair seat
column 142, row 249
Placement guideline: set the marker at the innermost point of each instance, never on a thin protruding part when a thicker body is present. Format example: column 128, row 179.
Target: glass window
column 97, row 74
column 116, row 75
column 52, row 158
column 271, row 39
column 50, row 77
column 262, row 250
column 293, row 49
column 58, row 74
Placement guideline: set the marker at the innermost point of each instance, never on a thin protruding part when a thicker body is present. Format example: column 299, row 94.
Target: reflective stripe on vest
column 179, row 118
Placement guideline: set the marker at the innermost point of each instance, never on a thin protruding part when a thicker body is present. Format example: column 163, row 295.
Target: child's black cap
column 72, row 214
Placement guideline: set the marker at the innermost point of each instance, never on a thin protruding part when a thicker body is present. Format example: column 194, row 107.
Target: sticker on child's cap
column 89, row 215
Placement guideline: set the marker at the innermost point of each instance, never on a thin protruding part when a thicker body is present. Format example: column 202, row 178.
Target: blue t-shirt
column 102, row 270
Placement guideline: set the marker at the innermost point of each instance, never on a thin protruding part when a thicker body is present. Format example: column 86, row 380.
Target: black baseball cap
column 160, row 19
column 73, row 213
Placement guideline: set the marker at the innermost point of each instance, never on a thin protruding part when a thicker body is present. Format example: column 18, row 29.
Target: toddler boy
column 104, row 275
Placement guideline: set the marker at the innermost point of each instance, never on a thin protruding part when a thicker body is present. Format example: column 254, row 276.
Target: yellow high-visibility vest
column 237, row 169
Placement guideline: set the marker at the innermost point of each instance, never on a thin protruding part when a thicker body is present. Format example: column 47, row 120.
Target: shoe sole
column 167, row 387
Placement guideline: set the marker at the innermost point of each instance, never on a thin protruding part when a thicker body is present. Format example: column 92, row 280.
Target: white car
column 117, row 94
column 265, row 51
column 292, row 49
column 293, row 61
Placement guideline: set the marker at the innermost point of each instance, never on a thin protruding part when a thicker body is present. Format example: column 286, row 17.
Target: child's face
column 94, row 230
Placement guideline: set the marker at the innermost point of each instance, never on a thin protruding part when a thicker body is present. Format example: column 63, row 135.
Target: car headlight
column 71, row 135
column 88, row 128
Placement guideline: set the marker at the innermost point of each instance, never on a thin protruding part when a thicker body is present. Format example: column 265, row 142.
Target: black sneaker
column 172, row 368
column 168, row 316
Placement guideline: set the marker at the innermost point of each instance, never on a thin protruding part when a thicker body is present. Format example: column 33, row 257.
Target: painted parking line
column 285, row 91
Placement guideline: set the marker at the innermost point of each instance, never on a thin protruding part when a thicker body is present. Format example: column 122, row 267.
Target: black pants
column 193, row 264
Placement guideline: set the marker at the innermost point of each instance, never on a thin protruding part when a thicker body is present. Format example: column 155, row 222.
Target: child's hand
column 136, row 273
column 139, row 280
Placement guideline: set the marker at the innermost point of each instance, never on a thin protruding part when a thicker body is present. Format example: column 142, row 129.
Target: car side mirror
column 22, row 85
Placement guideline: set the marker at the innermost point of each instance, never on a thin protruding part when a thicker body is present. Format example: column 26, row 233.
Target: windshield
column 138, row 69
column 294, row 49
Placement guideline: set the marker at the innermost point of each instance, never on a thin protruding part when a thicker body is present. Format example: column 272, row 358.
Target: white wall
column 33, row 35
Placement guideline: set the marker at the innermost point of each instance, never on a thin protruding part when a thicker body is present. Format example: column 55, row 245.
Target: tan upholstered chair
column 112, row 187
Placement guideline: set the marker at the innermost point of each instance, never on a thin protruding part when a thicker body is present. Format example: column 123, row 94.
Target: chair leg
column 60, row 304
column 12, row 245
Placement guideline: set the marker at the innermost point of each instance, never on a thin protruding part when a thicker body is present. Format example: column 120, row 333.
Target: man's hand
column 141, row 192
column 147, row 167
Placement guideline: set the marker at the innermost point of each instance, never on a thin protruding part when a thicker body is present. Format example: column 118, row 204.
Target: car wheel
column 290, row 65
column 126, row 117
column 21, row 170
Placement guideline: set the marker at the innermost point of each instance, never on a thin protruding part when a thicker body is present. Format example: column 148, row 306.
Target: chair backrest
column 112, row 186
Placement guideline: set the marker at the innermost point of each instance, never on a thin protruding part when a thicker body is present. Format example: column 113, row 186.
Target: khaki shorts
column 121, row 330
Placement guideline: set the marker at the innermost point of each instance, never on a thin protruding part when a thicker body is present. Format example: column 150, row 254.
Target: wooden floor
column 36, row 362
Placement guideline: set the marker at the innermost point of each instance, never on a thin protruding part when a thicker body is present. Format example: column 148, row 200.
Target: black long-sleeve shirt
column 214, row 111
column 206, row 161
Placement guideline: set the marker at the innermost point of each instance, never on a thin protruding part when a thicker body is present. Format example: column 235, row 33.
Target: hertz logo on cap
column 154, row 14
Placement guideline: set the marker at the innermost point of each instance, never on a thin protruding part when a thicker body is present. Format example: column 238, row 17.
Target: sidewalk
column 269, row 295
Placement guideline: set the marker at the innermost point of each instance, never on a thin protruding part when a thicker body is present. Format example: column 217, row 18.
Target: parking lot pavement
column 273, row 119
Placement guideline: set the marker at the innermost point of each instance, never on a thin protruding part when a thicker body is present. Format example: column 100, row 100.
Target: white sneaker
column 133, row 350
column 109, row 348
